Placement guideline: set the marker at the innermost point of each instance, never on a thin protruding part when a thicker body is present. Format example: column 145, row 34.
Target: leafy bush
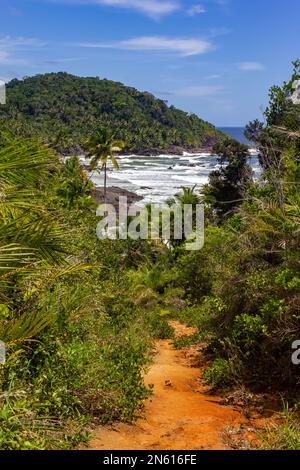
column 249, row 330
column 219, row 374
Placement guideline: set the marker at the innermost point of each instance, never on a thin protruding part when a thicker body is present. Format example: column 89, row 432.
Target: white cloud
column 10, row 45
column 61, row 61
column 150, row 7
column 153, row 8
column 196, row 10
column 222, row 3
column 251, row 66
column 213, row 77
column 183, row 46
column 19, row 42
column 199, row 91
column 8, row 78
column 223, row 106
column 3, row 57
column 13, row 11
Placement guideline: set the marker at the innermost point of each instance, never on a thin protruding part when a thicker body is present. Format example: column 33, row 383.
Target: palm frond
column 23, row 162
column 13, row 256
column 27, row 326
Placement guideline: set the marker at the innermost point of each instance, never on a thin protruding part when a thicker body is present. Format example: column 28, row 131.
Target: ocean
column 159, row 178
column 237, row 133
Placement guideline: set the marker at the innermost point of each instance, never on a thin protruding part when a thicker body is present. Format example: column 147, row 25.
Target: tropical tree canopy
column 102, row 147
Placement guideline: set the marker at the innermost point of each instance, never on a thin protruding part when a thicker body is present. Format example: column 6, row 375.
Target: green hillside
column 65, row 109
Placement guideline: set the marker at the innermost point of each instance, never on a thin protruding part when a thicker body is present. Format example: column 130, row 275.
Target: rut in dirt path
column 181, row 414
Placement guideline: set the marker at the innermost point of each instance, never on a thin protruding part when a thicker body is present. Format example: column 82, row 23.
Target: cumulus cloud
column 251, row 66
column 182, row 46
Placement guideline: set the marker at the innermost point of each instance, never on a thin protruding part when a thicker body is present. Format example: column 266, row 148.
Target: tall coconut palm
column 102, row 147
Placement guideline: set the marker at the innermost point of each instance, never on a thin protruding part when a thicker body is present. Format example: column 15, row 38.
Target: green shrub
column 187, row 340
column 248, row 331
column 219, row 374
column 158, row 324
column 286, row 434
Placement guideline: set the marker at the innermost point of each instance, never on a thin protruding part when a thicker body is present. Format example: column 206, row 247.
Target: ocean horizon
column 237, row 133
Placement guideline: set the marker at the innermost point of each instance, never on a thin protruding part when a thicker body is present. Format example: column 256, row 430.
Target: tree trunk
column 105, row 182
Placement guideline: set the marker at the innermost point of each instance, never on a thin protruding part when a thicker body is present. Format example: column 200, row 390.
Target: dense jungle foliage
column 243, row 288
column 248, row 306
column 76, row 333
column 78, row 315
column 65, row 109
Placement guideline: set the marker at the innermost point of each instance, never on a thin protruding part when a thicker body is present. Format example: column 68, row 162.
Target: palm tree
column 33, row 251
column 102, row 146
column 30, row 239
column 187, row 196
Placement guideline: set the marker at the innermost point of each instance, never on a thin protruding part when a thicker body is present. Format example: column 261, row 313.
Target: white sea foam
column 160, row 177
column 194, row 179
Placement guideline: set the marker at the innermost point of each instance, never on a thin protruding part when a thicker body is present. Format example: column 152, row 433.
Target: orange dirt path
column 182, row 414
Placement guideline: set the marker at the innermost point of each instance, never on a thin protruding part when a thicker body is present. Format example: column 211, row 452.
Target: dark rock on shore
column 172, row 150
column 151, row 151
column 113, row 194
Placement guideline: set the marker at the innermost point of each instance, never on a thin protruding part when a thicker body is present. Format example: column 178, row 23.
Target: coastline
column 149, row 152
column 156, row 151
column 113, row 193
column 143, row 179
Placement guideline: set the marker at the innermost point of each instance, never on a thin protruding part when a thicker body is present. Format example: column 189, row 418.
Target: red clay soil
column 182, row 414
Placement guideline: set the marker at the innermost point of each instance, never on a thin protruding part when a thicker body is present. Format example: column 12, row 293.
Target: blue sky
column 216, row 58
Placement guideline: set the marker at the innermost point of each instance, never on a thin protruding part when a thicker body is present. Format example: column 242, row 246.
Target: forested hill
column 65, row 109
